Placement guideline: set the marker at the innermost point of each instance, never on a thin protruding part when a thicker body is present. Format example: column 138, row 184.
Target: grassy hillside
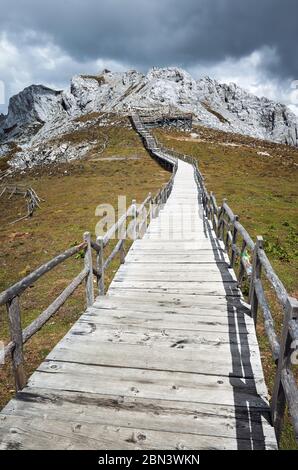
column 71, row 193
column 260, row 181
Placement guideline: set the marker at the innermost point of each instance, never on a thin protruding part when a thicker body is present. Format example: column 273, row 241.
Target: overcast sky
column 251, row 42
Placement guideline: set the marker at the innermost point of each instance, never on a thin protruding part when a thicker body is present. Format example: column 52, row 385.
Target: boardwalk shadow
column 250, row 408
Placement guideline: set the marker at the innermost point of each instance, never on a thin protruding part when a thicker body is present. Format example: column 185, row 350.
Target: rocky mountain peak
column 35, row 103
column 221, row 106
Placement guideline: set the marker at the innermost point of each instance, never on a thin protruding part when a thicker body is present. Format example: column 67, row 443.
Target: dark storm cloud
column 160, row 32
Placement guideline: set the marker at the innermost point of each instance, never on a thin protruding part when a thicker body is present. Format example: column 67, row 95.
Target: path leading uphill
column 168, row 359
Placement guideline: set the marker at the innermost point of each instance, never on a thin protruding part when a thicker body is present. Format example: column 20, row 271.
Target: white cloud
column 45, row 63
column 250, row 73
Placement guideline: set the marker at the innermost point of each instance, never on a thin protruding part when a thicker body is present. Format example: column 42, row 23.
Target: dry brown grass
column 99, row 78
column 71, row 193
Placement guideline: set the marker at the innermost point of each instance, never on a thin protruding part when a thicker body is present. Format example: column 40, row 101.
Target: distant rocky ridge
column 39, row 114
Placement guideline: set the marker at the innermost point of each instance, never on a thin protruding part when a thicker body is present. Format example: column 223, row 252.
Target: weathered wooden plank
column 177, row 258
column 209, row 289
column 153, row 384
column 159, row 415
column 204, row 299
column 176, row 267
column 173, row 236
column 187, row 306
column 201, row 247
column 32, row 433
column 169, row 338
column 195, row 287
column 176, row 321
column 136, row 333
column 173, row 276
column 145, row 273
column 169, row 244
column 176, row 360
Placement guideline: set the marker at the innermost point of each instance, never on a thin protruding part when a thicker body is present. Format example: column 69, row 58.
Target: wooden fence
column 254, row 265
column 137, row 216
column 180, row 121
column 29, row 194
column 165, row 116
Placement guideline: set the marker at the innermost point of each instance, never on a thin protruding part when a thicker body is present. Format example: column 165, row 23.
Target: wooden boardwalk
column 168, row 359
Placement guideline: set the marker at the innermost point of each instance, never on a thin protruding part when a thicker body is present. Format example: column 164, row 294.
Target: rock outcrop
column 248, row 114
column 38, row 113
column 35, row 103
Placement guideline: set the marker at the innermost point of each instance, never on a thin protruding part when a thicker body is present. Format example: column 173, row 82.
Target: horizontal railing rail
column 19, row 287
column 10, row 297
column 133, row 223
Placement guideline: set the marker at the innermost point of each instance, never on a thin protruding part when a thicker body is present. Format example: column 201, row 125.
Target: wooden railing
column 179, row 120
column 138, row 218
column 10, row 298
column 153, row 147
column 130, row 226
column 253, row 264
column 29, row 194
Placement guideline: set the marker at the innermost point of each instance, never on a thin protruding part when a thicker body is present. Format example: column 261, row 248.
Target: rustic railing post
column 89, row 266
column 122, row 253
column 208, row 207
column 218, row 212
column 150, row 208
column 14, row 316
column 255, row 275
column 122, row 236
column 220, row 220
column 241, row 267
column 145, row 217
column 100, row 266
column 157, row 205
column 227, row 239
column 211, row 209
column 161, row 196
column 153, row 208
column 278, row 402
column 234, row 241
column 134, row 217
